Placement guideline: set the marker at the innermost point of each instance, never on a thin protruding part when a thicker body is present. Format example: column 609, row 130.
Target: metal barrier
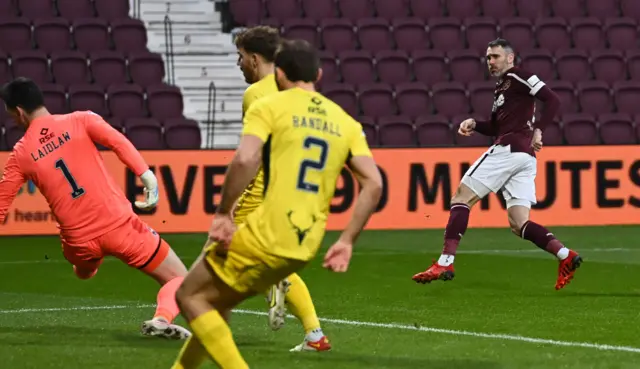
column 135, row 8
column 211, row 115
column 169, row 54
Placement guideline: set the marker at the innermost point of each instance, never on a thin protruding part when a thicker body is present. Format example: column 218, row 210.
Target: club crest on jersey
column 498, row 103
column 153, row 232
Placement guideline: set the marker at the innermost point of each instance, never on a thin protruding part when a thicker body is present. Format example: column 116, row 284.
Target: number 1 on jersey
column 76, row 191
column 307, row 164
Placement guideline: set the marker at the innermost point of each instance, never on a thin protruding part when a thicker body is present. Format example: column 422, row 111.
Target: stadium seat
column 621, row 33
column 616, row 129
column 182, row 134
column 374, row 34
column 319, row 9
column 303, row 28
column 283, row 9
column 466, row 66
column 108, row 67
column 446, row 34
column 449, row 98
column 481, row 97
column 146, row 68
column 553, row 34
column 330, row 71
column 519, row 32
column 376, row 100
column 344, row 95
column 426, row 9
column 410, row 34
column 5, row 71
column 553, row 135
column 144, row 133
column 338, row 35
column 429, row 66
column 630, row 8
column 36, row 8
column 16, row 34
column 479, row 31
column 164, row 101
column 91, row 34
column 601, row 9
column 396, row 131
column 356, row 66
column 587, row 33
column 74, row 9
column 112, row 9
column 434, row 130
column 355, row 9
column 116, row 123
column 370, row 130
column 129, row 35
column 393, row 66
column 497, row 8
column 70, row 67
column 413, row 99
column 566, row 93
column 52, row 34
column 126, row 101
column 532, row 9
column 594, row 97
column 32, row 64
column 608, row 66
column 88, row 97
column 246, row 12
column 572, row 65
column 272, row 22
column 8, row 9
column 539, row 62
column 567, row 8
column 391, row 9
column 12, row 133
column 626, row 95
column 580, row 129
column 463, row 8
column 633, row 63
column 55, row 98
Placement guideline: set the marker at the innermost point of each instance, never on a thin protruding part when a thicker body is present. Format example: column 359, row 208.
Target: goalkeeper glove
column 150, row 191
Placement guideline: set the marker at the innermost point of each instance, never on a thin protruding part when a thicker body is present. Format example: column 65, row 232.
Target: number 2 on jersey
column 76, row 191
column 307, row 164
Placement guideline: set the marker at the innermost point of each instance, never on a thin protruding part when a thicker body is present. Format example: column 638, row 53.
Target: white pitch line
column 531, row 250
column 356, row 323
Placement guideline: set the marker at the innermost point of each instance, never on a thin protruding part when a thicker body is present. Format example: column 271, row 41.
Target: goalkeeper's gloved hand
column 150, row 191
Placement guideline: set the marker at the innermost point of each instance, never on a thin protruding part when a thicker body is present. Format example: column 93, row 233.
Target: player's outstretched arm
column 101, row 132
column 10, row 183
column 366, row 172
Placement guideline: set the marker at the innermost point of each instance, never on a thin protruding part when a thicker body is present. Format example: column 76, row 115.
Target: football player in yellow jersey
column 256, row 52
column 303, row 140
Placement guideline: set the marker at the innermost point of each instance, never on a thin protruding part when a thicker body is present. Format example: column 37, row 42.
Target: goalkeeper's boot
column 307, row 345
column 161, row 328
column 435, row 272
column 276, row 300
column 567, row 269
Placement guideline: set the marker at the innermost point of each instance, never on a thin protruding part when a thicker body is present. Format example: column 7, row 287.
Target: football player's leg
column 299, row 301
column 85, row 258
column 140, row 247
column 519, row 194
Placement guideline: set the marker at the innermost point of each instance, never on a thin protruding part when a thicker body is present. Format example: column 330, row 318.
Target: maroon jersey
column 513, row 110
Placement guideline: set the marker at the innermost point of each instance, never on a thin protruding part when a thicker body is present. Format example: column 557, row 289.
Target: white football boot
column 161, row 328
column 276, row 301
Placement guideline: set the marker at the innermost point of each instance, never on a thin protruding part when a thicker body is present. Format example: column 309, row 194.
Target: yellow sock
column 191, row 356
column 214, row 334
column 300, row 304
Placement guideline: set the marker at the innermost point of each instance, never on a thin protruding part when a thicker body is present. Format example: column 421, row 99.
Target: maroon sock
column 541, row 236
column 458, row 221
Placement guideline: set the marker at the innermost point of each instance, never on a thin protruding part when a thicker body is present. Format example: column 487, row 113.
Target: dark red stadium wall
column 590, row 185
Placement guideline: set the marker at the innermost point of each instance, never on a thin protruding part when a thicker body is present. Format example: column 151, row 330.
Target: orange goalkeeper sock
column 167, row 308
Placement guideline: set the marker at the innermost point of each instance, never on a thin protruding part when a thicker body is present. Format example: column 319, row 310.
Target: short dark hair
column 299, row 61
column 261, row 40
column 24, row 93
column 503, row 43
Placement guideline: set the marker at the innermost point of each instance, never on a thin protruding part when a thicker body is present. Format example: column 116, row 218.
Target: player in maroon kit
column 508, row 166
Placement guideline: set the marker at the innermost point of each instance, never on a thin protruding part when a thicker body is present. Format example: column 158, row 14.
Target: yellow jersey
column 308, row 139
column 252, row 195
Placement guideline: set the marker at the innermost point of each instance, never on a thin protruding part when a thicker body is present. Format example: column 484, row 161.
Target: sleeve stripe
column 534, row 84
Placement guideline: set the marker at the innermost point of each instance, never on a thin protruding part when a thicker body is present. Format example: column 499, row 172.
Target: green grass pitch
column 500, row 312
